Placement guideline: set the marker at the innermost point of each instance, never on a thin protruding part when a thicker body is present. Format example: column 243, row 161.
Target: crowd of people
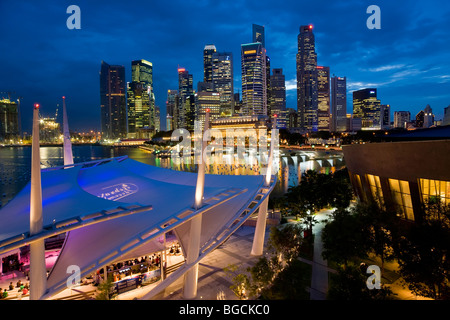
column 23, row 289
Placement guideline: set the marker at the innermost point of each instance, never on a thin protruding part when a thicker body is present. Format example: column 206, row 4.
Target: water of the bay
column 15, row 164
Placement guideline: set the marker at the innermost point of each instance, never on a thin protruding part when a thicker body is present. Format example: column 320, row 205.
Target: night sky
column 408, row 59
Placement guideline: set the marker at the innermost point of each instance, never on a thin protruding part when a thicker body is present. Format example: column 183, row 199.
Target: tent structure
column 117, row 208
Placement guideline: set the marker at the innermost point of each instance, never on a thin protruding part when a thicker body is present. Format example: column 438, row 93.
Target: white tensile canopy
column 162, row 199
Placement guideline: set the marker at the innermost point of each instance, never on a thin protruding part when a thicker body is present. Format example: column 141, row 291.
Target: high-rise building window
column 402, row 197
column 435, row 190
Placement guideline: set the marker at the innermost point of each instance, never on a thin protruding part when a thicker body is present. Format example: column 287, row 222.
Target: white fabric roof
column 71, row 192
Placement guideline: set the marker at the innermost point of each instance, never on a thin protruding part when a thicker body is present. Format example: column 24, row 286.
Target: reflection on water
column 15, row 164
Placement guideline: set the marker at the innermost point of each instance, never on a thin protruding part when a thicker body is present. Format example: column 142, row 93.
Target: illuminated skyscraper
column 208, row 52
column 9, row 121
column 323, row 98
column 428, row 119
column 307, row 83
column 207, row 101
column 222, row 80
column 185, row 90
column 113, row 107
column 140, row 98
column 172, row 109
column 278, row 97
column 254, row 85
column 339, row 104
column 401, row 118
column 258, row 34
column 367, row 107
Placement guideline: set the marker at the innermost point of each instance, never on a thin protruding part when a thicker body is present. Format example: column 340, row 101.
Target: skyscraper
column 385, row 117
column 307, row 83
column 208, row 52
column 140, row 98
column 258, row 34
column 428, row 119
column 9, row 120
column 185, row 90
column 112, row 101
column 339, row 104
column 222, row 80
column 323, row 98
column 401, row 118
column 278, row 97
column 367, row 107
column 254, row 85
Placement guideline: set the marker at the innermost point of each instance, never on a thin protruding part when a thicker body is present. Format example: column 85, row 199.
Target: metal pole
column 191, row 277
column 38, row 272
column 260, row 229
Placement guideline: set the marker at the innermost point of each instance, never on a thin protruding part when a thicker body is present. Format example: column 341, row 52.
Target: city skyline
column 44, row 60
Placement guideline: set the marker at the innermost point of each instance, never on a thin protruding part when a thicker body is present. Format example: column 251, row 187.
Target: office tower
column 49, row 129
column 222, row 81
column 401, row 119
column 339, row 104
column 292, row 120
column 420, row 117
column 258, row 34
column 428, row 119
column 307, row 86
column 172, row 110
column 278, row 97
column 189, row 113
column 254, row 86
column 113, row 107
column 140, row 98
column 157, row 119
column 185, row 90
column 9, row 121
column 208, row 52
column 323, row 98
column 385, row 118
column 207, row 101
column 237, row 103
column 446, row 120
column 367, row 107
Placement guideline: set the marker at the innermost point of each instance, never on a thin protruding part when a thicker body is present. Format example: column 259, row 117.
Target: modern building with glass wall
column 402, row 175
column 338, row 104
column 323, row 98
column 367, row 107
column 222, row 81
column 307, row 82
column 254, row 76
column 278, row 97
column 9, row 121
column 113, row 101
column 140, row 98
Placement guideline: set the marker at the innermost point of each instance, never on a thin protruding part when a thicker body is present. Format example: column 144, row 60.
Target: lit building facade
column 339, row 104
column 140, row 98
column 307, row 82
column 278, row 97
column 9, row 121
column 207, row 101
column 185, row 91
column 113, row 101
column 388, row 174
column 222, row 81
column 323, row 98
column 254, row 74
column 172, row 109
column 401, row 119
column 367, row 107
column 208, row 52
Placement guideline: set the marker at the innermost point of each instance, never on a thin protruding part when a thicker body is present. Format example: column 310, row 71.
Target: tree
column 350, row 284
column 104, row 290
column 423, row 253
column 343, row 237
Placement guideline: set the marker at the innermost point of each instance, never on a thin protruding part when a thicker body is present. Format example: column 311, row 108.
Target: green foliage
column 350, row 284
column 423, row 253
column 104, row 290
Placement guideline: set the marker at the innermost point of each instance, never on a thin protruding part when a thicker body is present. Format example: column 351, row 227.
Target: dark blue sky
column 408, row 59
